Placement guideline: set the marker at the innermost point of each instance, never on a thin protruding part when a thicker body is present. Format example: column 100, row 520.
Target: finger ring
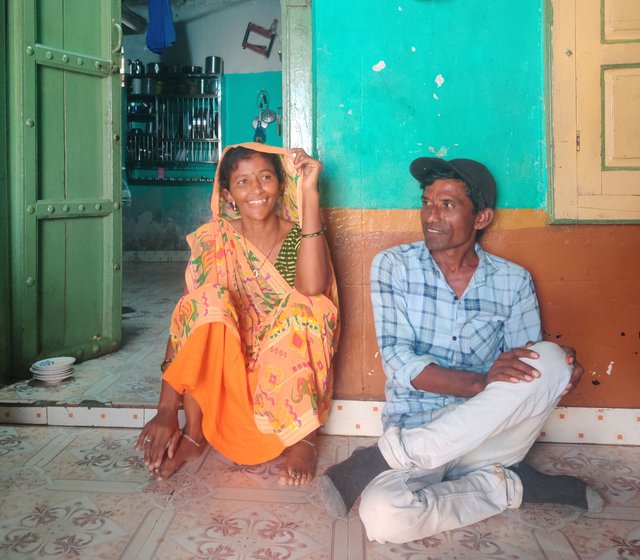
column 147, row 439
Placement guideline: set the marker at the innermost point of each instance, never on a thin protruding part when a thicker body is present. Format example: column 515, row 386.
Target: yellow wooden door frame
column 583, row 56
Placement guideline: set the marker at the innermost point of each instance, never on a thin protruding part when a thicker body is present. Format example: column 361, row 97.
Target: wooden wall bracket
column 262, row 32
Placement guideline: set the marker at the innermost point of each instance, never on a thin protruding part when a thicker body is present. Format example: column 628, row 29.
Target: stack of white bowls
column 53, row 370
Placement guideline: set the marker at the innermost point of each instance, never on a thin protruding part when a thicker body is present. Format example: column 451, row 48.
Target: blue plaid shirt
column 420, row 321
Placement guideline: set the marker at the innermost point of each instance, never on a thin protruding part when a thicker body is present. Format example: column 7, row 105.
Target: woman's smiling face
column 254, row 187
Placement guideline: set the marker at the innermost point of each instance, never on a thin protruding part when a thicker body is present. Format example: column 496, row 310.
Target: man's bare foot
column 186, row 450
column 299, row 466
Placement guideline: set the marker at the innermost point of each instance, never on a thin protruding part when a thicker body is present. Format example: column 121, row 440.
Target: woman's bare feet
column 187, row 450
column 299, row 466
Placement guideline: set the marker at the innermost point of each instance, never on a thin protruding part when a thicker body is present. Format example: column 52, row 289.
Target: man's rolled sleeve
column 396, row 336
column 523, row 324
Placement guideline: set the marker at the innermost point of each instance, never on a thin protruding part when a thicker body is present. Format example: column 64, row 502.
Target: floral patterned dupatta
column 263, row 311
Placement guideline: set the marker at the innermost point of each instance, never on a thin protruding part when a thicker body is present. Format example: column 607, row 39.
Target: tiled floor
column 80, row 492
column 130, row 377
column 83, row 492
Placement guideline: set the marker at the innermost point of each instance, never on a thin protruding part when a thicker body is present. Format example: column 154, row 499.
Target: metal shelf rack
column 173, row 123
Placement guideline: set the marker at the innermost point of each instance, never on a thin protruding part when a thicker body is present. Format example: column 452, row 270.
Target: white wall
column 203, row 29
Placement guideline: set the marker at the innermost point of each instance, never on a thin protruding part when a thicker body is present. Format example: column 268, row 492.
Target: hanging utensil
column 268, row 116
column 260, row 135
column 257, row 121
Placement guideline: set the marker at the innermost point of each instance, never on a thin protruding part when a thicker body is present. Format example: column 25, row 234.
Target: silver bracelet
column 309, row 442
column 165, row 364
column 191, row 440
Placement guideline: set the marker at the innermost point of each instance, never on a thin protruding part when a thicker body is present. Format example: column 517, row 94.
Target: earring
column 234, row 206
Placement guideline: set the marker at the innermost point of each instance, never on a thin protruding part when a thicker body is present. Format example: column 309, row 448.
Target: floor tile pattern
column 73, row 492
column 131, row 376
column 84, row 493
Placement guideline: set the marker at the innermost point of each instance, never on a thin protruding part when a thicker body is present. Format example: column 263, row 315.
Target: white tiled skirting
column 612, row 426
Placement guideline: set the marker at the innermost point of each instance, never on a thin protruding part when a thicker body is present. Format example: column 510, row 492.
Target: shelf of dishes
column 160, row 173
column 169, row 181
column 148, row 149
column 169, row 84
column 179, row 117
column 180, row 129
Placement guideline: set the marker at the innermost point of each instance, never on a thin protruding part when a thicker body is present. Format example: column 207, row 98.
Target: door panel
column 596, row 110
column 70, row 265
column 621, row 103
column 5, row 311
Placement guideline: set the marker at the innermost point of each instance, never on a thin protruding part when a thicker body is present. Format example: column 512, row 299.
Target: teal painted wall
column 240, row 105
column 462, row 78
column 161, row 216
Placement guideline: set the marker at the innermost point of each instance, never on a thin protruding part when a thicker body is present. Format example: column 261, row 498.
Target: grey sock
column 343, row 483
column 540, row 488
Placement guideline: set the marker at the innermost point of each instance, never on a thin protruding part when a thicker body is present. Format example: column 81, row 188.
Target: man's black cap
column 473, row 172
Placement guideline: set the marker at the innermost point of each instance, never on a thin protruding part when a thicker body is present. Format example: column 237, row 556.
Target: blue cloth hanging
column 160, row 30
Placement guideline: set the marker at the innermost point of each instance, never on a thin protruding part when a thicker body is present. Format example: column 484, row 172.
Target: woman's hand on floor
column 161, row 435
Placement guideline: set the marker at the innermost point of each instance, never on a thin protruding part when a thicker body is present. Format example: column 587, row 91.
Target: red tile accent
column 357, row 426
column 38, row 414
column 70, row 415
column 339, row 407
column 561, row 416
column 620, row 436
column 580, row 435
column 103, row 416
column 600, row 417
column 543, row 434
column 7, row 414
column 376, row 408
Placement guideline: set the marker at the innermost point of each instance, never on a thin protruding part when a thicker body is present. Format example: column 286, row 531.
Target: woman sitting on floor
column 253, row 337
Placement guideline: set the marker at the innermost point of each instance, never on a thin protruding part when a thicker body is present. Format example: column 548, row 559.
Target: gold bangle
column 315, row 233
column 165, row 363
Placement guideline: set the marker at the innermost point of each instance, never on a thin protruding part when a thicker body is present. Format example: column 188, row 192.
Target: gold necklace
column 256, row 271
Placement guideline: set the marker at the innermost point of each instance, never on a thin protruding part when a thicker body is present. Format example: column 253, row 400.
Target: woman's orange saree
column 254, row 353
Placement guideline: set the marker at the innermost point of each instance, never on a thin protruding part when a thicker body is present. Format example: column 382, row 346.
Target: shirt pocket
column 481, row 341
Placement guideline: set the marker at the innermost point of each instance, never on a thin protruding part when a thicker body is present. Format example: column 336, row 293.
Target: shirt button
column 455, row 338
column 455, row 298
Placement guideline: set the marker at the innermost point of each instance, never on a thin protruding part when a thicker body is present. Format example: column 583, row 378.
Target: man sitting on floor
column 465, row 400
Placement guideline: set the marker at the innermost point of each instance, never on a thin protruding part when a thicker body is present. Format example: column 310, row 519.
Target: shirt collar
column 485, row 266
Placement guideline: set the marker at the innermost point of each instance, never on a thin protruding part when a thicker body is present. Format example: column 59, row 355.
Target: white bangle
column 191, row 440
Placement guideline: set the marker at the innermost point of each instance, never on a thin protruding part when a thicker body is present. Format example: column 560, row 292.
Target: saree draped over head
column 254, row 352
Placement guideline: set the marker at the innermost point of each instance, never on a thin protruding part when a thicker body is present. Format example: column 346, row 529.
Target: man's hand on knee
column 508, row 367
column 577, row 372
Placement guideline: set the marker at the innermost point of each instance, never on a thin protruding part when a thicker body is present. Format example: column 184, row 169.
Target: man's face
column 447, row 216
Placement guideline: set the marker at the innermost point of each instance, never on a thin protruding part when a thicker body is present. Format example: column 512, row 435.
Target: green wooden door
column 64, row 106
column 5, row 316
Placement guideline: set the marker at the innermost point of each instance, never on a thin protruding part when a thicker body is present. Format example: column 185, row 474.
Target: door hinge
column 577, row 140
